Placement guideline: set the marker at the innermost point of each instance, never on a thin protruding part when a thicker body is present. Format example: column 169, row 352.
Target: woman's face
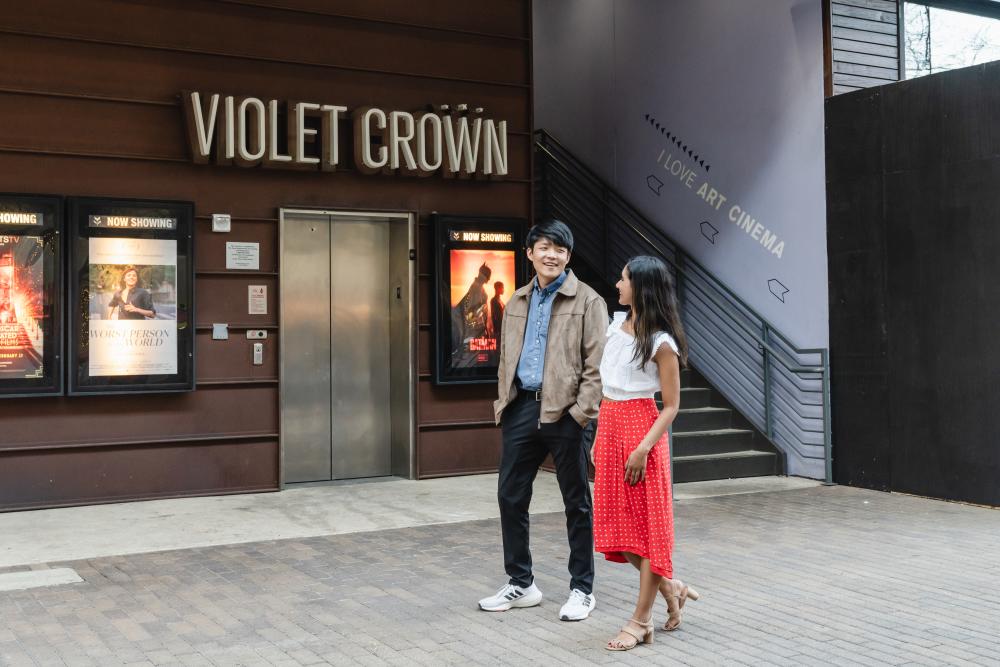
column 130, row 278
column 624, row 289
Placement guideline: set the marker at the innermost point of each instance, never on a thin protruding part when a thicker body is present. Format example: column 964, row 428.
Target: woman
column 132, row 301
column 633, row 511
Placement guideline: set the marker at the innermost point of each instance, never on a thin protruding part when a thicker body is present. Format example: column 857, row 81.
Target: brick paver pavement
column 809, row 577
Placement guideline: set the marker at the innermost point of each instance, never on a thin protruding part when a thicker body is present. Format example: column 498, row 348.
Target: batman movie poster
column 480, row 263
column 481, row 283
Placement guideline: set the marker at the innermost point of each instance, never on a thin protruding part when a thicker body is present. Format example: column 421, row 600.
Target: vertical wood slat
column 862, row 41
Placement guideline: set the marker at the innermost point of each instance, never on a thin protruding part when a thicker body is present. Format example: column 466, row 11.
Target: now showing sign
column 250, row 132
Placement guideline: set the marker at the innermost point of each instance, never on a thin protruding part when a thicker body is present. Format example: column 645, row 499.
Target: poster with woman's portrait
column 132, row 306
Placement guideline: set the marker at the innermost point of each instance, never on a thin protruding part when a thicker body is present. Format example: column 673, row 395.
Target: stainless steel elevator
column 346, row 345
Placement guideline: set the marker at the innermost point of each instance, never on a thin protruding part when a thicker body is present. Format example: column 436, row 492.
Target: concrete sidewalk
column 302, row 511
column 807, row 576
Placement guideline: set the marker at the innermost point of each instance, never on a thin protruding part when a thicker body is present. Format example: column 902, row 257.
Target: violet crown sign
column 250, row 132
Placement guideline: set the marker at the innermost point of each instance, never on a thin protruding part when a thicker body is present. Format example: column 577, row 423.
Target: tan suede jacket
column 571, row 378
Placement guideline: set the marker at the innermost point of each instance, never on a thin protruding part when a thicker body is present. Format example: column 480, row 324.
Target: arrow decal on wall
column 709, row 232
column 777, row 289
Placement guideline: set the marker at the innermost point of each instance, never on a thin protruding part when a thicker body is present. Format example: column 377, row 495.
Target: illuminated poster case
column 479, row 262
column 131, row 297
column 30, row 295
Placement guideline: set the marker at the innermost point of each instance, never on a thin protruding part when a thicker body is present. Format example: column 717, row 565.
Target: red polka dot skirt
column 637, row 519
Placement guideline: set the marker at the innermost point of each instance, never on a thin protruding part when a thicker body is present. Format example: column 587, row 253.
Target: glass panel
column 936, row 40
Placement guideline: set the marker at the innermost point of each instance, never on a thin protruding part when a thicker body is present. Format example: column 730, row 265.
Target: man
column 549, row 384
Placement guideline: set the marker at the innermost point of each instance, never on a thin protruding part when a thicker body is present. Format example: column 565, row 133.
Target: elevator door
column 336, row 301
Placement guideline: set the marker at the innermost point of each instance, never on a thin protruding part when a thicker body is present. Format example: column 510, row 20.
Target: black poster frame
column 51, row 230
column 81, row 228
column 445, row 372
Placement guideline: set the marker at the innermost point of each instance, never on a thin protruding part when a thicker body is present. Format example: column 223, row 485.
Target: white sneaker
column 512, row 596
column 578, row 606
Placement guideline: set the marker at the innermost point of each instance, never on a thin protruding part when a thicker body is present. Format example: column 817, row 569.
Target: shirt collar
column 552, row 286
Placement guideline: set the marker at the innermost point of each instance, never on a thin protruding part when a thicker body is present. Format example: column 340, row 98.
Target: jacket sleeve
column 595, row 326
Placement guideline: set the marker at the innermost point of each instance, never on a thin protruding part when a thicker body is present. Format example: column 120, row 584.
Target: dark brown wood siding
column 864, row 43
column 89, row 105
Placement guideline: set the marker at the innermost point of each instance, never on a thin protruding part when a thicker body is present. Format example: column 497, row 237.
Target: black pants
column 525, row 446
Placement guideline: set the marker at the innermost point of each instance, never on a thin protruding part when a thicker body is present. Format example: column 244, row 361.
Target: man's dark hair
column 498, row 285
column 555, row 231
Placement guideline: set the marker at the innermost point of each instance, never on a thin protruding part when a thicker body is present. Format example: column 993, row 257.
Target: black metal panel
column 856, row 269
column 913, row 124
column 943, row 357
column 914, row 285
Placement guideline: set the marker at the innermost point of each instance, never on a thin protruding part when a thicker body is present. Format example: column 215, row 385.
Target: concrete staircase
column 711, row 440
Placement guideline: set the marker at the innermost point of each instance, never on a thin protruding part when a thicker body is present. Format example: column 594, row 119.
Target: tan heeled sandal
column 676, row 603
column 644, row 636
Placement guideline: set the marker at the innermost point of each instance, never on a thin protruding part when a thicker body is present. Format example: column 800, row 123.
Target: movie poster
column 133, row 306
column 479, row 264
column 481, row 283
column 22, row 307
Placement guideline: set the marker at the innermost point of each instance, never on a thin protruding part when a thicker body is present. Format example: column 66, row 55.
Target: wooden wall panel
column 219, row 30
column 94, row 475
column 224, row 298
column 494, row 18
column 212, row 246
column 459, row 451
column 89, row 105
column 864, row 42
column 226, row 361
column 253, row 193
column 444, row 405
column 79, row 420
column 118, row 72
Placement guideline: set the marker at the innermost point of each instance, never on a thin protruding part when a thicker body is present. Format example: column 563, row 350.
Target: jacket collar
column 568, row 288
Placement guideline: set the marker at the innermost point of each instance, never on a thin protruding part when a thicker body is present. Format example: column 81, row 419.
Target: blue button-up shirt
column 536, row 333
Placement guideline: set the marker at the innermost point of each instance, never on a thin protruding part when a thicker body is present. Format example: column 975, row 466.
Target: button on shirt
column 536, row 333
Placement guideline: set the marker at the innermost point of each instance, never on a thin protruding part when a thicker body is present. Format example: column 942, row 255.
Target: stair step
column 718, row 441
column 695, row 397
column 747, row 463
column 703, row 419
column 691, row 378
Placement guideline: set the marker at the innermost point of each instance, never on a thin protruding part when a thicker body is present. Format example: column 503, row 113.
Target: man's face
column 548, row 259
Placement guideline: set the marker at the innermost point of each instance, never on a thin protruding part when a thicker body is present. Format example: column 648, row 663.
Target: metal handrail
column 580, row 182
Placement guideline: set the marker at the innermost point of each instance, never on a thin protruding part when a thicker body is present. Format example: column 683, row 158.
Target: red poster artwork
column 481, row 283
column 21, row 307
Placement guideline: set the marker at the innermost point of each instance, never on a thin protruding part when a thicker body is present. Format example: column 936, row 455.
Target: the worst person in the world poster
column 480, row 283
column 21, row 306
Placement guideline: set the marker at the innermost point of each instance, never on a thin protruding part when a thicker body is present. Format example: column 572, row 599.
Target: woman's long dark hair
column 654, row 307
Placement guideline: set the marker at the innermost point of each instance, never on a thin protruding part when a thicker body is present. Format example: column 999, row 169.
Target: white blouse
column 622, row 378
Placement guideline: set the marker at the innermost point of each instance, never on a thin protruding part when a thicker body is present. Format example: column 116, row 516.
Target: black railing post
column 768, row 421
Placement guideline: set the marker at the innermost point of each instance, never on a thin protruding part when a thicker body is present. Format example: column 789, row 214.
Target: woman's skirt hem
column 616, row 555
